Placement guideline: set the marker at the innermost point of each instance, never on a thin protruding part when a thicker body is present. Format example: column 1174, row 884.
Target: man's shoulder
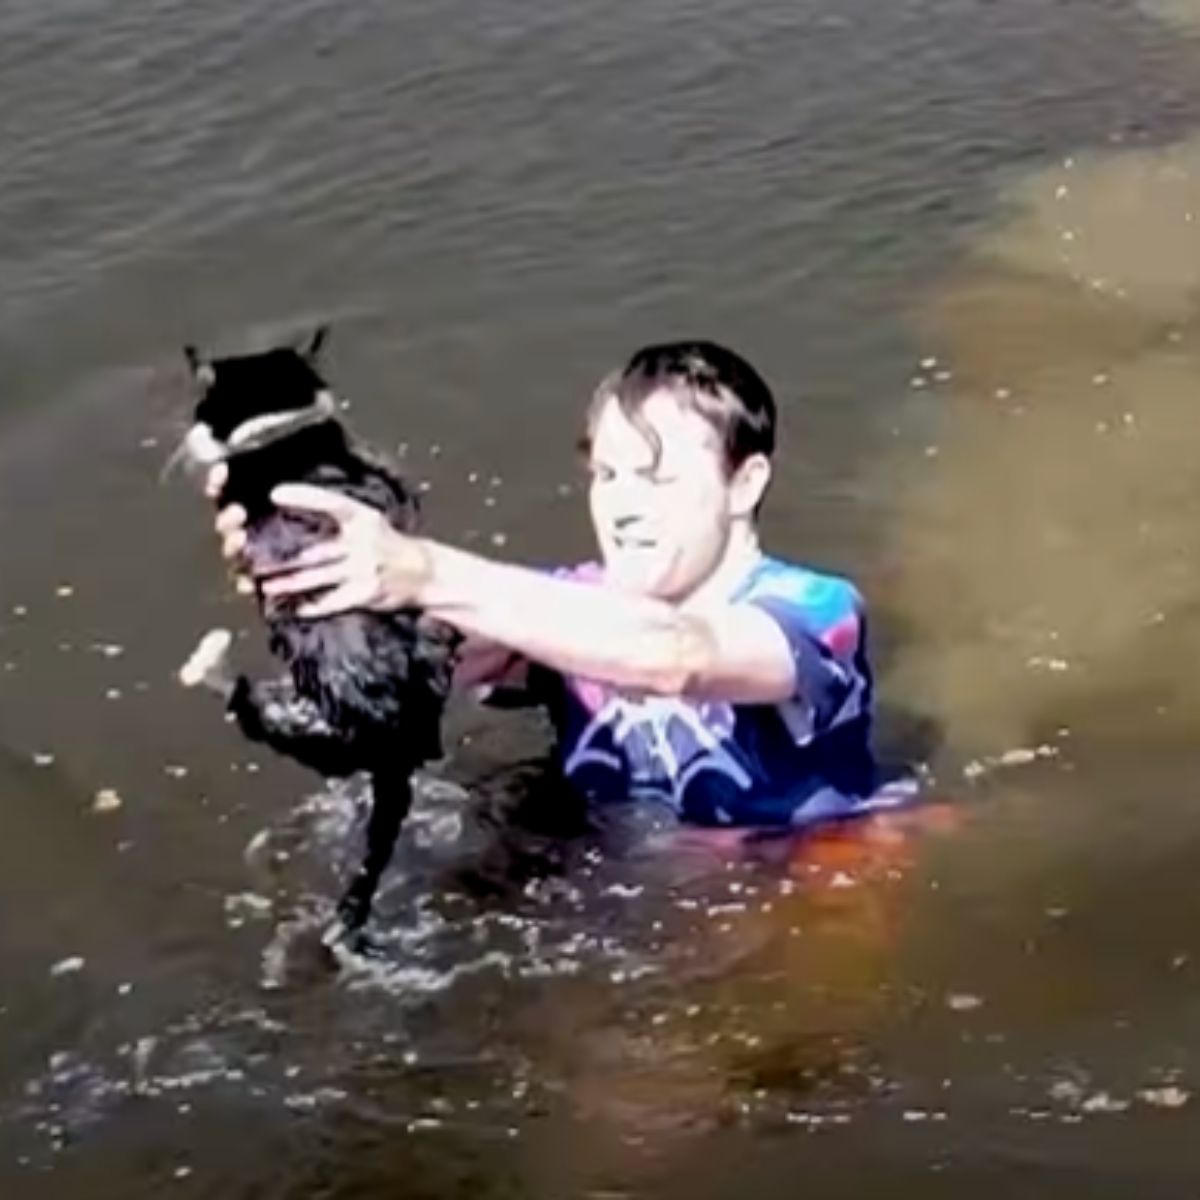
column 823, row 596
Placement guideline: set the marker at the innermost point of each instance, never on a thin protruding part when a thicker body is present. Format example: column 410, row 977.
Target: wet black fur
column 362, row 691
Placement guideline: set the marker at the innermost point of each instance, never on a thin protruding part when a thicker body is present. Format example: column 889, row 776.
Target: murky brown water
column 961, row 239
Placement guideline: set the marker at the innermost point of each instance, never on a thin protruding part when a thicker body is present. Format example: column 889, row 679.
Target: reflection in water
column 1046, row 549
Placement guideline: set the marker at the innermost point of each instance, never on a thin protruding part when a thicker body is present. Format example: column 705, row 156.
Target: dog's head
column 253, row 398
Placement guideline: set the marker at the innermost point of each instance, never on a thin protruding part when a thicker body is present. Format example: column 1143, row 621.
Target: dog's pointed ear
column 203, row 370
column 317, row 343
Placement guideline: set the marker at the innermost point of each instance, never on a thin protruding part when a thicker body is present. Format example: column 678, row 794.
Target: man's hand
column 366, row 564
column 231, row 525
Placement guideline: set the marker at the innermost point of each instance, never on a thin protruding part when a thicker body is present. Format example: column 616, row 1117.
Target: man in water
column 686, row 667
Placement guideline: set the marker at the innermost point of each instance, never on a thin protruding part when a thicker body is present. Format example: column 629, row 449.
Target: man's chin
column 637, row 578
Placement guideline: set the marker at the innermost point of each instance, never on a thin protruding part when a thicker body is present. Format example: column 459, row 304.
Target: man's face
column 662, row 526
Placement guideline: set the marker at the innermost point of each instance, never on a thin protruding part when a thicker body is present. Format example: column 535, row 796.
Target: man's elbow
column 675, row 660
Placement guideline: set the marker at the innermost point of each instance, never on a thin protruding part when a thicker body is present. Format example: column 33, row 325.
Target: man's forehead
column 682, row 432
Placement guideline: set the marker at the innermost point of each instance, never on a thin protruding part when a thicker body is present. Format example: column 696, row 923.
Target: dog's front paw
column 209, row 663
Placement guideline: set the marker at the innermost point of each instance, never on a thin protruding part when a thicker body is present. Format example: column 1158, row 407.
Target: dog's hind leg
column 391, row 798
column 273, row 712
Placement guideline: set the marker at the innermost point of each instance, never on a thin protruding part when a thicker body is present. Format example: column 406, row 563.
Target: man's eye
column 663, row 480
column 600, row 474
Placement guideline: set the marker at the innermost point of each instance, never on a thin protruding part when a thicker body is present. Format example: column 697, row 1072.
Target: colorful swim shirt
column 715, row 763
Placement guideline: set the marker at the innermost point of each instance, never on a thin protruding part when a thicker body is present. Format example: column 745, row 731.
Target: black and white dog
column 362, row 691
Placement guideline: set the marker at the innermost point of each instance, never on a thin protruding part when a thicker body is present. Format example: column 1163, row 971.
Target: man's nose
column 624, row 504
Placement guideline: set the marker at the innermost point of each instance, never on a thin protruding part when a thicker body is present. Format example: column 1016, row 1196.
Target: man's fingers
column 215, row 480
column 315, row 558
column 297, row 583
column 324, row 554
column 341, row 599
column 232, row 544
column 231, row 518
column 306, row 498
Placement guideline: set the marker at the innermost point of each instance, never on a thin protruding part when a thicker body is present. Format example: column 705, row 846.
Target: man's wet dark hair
column 714, row 381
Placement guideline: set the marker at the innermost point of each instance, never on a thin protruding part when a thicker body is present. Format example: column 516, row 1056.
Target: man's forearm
column 577, row 628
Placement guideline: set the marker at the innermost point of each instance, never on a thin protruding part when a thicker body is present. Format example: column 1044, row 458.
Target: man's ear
column 749, row 485
column 203, row 370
